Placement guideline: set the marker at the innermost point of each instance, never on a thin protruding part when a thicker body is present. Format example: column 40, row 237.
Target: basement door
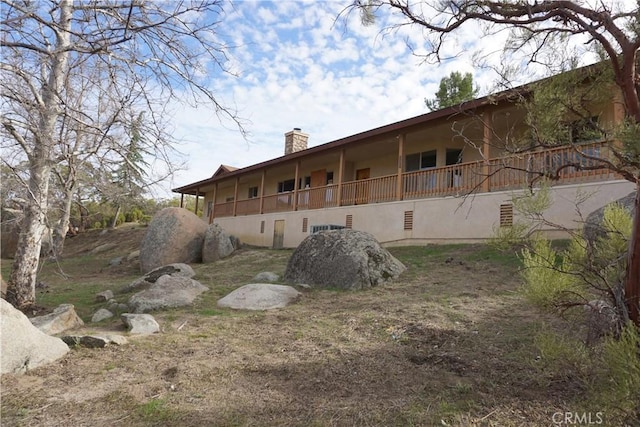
column 278, row 234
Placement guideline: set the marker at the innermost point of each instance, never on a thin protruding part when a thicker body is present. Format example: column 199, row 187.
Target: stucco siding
column 448, row 219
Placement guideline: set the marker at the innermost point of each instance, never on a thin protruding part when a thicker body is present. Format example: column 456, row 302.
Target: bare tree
column 536, row 27
column 159, row 50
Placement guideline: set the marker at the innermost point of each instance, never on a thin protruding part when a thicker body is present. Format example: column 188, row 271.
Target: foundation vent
column 348, row 223
column 408, row 220
column 261, row 227
column 506, row 215
column 305, row 224
column 325, row 227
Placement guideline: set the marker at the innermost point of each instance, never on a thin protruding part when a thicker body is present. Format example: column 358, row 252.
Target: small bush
column 562, row 358
column 145, row 219
column 581, row 273
column 547, row 276
column 506, row 238
column 618, row 388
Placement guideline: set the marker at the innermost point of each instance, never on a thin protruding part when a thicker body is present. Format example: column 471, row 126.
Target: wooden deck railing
column 445, row 181
column 278, row 202
column 223, row 209
column 320, row 197
column 518, row 171
column 511, row 172
column 248, row 207
column 372, row 190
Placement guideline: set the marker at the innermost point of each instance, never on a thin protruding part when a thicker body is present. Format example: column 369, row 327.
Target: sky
column 297, row 65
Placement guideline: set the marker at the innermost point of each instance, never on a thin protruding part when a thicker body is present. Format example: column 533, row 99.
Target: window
column 329, row 177
column 229, row 199
column 287, row 185
column 304, row 182
column 454, row 157
column 253, row 192
column 419, row 161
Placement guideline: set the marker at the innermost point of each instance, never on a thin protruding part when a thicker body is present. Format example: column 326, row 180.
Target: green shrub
column 145, row 219
column 134, row 215
column 618, row 386
column 561, row 358
column 579, row 274
column 571, row 278
column 548, row 277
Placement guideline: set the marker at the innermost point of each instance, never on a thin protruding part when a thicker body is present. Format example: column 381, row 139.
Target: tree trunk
column 84, row 217
column 114, row 223
column 60, row 232
column 21, row 289
column 632, row 283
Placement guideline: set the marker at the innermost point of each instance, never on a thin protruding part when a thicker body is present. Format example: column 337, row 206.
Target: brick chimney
column 294, row 141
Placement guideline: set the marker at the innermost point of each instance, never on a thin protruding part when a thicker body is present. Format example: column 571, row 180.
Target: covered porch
column 572, row 164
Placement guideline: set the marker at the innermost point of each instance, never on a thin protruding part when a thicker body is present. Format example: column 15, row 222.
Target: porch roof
column 402, row 125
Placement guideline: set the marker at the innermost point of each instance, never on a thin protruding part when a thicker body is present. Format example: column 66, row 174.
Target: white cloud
column 300, row 67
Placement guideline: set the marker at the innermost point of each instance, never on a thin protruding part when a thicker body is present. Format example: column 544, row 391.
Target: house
column 445, row 176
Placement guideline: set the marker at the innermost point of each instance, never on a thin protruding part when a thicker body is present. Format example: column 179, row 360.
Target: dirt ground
column 450, row 343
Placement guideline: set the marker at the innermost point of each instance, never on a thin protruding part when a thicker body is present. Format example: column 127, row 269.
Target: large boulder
column 344, row 259
column 260, row 296
column 167, row 292
column 593, row 228
column 217, row 244
column 174, row 235
column 63, row 318
column 22, row 345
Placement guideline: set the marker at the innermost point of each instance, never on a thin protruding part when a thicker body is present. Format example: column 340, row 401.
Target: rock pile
column 176, row 235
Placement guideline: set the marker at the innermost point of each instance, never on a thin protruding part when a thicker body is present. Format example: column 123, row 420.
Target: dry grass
column 450, row 343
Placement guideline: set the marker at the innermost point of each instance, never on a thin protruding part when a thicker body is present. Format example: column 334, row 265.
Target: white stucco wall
column 436, row 220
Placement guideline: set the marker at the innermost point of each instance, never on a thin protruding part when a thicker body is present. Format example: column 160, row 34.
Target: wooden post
column 235, row 196
column 295, row 187
column 340, row 177
column 486, row 140
column 400, row 162
column 213, row 203
column 182, row 200
column 197, row 199
column 264, row 173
